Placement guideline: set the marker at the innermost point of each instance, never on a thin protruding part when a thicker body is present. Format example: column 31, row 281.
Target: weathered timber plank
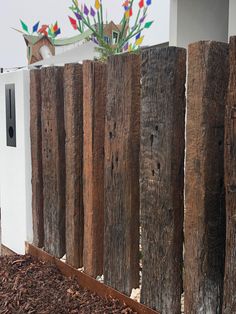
column 230, row 184
column 162, row 176
column 122, row 132
column 204, row 183
column 73, row 110
column 36, row 157
column 95, row 85
column 53, row 159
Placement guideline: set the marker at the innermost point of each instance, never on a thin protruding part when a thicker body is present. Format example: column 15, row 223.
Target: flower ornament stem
column 107, row 45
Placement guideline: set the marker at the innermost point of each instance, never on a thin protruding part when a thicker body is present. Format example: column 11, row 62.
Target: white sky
column 13, row 49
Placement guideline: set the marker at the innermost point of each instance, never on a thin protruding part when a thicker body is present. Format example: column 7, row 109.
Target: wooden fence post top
column 34, row 71
column 93, row 62
column 232, row 40
column 205, row 43
column 168, row 51
column 71, row 65
column 51, row 68
column 164, row 49
column 123, row 57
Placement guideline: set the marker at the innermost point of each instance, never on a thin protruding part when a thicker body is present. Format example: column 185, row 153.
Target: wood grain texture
column 53, row 159
column 162, row 176
column 95, row 86
column 204, row 183
column 36, row 157
column 73, row 111
column 122, row 132
column 230, row 186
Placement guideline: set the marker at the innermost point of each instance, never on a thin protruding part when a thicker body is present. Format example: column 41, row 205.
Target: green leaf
column 50, row 32
column 148, row 24
column 24, row 26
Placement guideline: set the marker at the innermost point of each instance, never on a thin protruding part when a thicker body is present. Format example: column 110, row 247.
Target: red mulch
column 30, row 286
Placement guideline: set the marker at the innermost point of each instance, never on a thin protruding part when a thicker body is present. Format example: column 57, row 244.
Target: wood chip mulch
column 30, row 286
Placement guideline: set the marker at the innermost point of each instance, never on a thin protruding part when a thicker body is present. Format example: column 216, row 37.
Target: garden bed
column 31, row 286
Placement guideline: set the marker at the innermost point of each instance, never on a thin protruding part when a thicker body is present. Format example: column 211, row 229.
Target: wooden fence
column 114, row 153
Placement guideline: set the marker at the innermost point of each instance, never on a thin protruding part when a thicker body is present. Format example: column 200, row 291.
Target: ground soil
column 30, row 286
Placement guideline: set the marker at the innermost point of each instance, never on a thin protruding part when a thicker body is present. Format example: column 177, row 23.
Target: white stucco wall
column 232, row 19
column 194, row 20
column 15, row 166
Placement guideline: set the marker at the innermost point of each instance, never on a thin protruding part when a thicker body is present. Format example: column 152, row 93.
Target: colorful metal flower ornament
column 52, row 31
column 129, row 38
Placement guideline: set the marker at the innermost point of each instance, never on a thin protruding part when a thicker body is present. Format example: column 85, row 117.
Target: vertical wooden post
column 53, row 160
column 95, row 85
column 204, row 184
column 36, row 157
column 162, row 176
column 73, row 108
column 122, row 131
column 230, row 186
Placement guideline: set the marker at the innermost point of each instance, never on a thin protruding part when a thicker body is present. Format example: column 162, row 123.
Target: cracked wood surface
column 36, row 157
column 95, row 86
column 162, row 176
column 122, row 132
column 53, row 160
column 73, row 111
column 204, row 181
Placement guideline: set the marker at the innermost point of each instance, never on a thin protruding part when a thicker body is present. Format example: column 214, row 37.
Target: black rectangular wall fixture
column 10, row 115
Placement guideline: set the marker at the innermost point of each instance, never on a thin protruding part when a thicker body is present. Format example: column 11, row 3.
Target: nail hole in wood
column 151, row 139
column 112, row 164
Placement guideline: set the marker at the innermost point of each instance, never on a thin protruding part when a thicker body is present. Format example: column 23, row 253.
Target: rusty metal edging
column 88, row 282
